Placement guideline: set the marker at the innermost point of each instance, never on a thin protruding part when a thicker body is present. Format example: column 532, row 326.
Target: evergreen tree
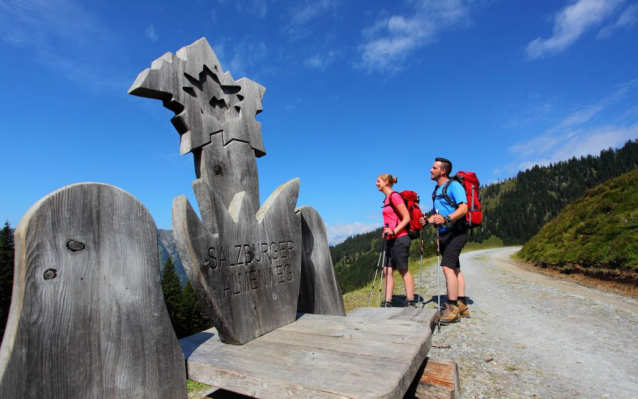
column 193, row 318
column 6, row 274
column 172, row 294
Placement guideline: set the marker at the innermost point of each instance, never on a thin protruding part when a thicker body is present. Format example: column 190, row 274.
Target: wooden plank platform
column 426, row 316
column 316, row 356
column 437, row 378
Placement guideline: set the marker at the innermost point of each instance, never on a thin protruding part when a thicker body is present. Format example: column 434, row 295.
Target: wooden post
column 87, row 316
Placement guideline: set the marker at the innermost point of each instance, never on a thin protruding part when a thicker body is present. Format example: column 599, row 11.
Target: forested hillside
column 596, row 235
column 517, row 209
column 514, row 210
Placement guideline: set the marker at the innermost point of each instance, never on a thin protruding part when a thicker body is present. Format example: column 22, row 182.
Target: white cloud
column 242, row 58
column 322, row 61
column 256, row 8
column 571, row 23
column 588, row 112
column 578, row 135
column 540, row 110
column 575, row 143
column 65, row 38
column 536, row 109
column 311, row 9
column 339, row 232
column 581, row 116
column 150, row 33
column 304, row 13
column 392, row 39
column 627, row 19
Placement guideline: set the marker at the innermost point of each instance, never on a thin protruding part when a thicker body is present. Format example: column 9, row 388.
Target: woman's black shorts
column 452, row 243
column 397, row 251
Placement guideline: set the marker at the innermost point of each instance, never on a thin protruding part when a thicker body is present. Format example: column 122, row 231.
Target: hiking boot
column 411, row 303
column 386, row 304
column 463, row 309
column 450, row 315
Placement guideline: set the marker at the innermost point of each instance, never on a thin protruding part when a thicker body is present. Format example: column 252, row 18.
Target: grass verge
column 361, row 297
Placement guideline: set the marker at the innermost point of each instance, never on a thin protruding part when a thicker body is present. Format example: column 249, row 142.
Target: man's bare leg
column 452, row 283
column 461, row 280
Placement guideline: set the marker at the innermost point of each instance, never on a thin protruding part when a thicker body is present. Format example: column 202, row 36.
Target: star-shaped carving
column 205, row 100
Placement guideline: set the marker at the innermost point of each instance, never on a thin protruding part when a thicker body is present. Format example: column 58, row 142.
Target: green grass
column 492, row 242
column 192, row 386
column 599, row 232
column 360, row 297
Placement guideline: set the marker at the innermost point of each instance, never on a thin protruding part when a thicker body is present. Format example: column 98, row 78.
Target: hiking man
column 449, row 218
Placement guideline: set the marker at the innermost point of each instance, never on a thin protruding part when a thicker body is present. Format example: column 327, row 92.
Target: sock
column 455, row 303
column 462, row 299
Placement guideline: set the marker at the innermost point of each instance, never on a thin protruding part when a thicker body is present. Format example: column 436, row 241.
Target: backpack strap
column 391, row 204
column 444, row 194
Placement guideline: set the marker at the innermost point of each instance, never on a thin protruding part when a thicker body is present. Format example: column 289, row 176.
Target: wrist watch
column 448, row 219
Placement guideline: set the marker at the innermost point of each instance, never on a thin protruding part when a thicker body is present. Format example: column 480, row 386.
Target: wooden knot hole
column 50, row 274
column 217, row 170
column 75, row 246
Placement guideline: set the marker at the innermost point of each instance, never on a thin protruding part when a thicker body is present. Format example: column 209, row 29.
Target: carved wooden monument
column 243, row 260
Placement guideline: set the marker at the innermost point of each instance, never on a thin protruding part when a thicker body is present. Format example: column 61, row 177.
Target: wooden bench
column 437, row 378
column 316, row 356
column 422, row 315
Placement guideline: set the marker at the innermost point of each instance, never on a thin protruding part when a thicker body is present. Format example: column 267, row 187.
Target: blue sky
column 354, row 89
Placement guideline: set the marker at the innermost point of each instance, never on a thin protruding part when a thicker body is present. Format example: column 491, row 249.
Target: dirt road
column 531, row 335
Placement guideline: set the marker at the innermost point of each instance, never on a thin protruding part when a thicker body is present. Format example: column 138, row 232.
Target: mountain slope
column 517, row 209
column 168, row 248
column 596, row 235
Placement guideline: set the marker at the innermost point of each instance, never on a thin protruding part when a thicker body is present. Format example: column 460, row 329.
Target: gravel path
column 531, row 336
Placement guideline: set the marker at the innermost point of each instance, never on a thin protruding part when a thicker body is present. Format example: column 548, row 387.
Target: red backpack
column 470, row 183
column 411, row 200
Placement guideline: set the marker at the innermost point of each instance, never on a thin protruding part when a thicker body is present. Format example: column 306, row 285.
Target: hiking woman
column 397, row 245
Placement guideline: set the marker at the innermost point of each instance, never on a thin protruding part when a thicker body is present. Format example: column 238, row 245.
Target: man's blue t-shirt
column 456, row 192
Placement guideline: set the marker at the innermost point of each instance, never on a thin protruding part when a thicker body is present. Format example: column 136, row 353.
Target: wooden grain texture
column 426, row 316
column 319, row 292
column 317, row 356
column 87, row 317
column 440, row 380
column 215, row 117
column 247, row 276
column 205, row 99
column 242, row 259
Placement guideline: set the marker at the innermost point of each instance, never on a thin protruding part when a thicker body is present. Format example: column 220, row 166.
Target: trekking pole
column 376, row 271
column 418, row 281
column 438, row 267
column 383, row 266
